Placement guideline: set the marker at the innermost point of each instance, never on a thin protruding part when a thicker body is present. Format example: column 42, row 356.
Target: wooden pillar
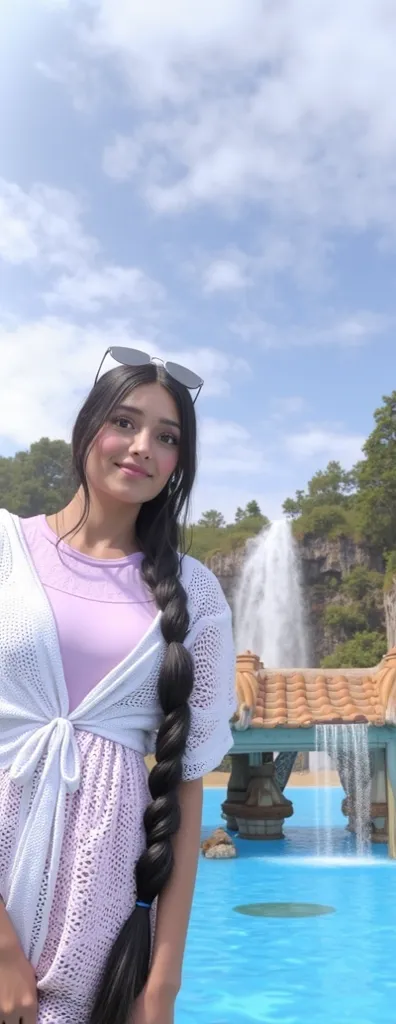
column 391, row 795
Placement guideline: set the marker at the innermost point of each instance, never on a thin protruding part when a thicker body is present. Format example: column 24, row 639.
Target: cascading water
column 270, row 621
column 269, row 610
column 269, row 606
column 346, row 746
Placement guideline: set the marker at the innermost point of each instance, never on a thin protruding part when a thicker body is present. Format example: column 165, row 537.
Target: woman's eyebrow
column 138, row 412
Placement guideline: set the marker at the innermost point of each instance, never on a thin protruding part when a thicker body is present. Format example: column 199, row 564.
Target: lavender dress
column 102, row 610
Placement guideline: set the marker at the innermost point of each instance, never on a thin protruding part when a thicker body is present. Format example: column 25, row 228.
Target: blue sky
column 217, row 186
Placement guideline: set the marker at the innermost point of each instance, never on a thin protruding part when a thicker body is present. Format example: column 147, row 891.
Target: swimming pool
column 339, row 968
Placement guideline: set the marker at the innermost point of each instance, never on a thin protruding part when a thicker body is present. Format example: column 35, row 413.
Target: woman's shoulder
column 202, row 586
column 6, row 522
column 191, row 567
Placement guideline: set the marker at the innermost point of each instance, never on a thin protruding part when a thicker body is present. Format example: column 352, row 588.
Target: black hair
column 159, row 529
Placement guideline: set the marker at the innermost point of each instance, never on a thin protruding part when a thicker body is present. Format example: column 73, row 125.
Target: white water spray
column 346, row 746
column 269, row 606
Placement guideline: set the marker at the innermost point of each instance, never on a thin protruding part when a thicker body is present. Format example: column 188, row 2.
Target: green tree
column 326, row 504
column 323, row 520
column 332, row 486
column 213, row 519
column 294, row 506
column 376, row 479
column 37, row 480
column 362, row 583
column 344, row 618
column 253, row 509
column 239, row 515
column 364, row 650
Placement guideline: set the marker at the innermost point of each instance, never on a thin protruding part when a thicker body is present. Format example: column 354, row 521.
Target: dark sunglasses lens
column 129, row 356
column 184, row 376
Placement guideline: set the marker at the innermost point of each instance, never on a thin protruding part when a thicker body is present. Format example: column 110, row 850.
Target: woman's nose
column 141, row 444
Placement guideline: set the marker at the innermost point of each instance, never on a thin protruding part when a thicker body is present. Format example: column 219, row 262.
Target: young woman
column 111, row 644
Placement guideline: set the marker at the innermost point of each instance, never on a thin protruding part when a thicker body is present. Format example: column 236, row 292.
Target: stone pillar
column 379, row 809
column 261, row 814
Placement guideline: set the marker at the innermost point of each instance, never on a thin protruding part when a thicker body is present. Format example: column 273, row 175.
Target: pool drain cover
column 284, row 909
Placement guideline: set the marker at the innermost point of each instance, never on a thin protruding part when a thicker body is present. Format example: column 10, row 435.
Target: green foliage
column 362, row 583
column 361, row 503
column 364, row 650
column 203, row 542
column 294, row 507
column 252, row 510
column 211, row 536
column 330, row 487
column 323, row 521
column 37, row 480
column 345, row 618
column 376, row 479
column 212, row 520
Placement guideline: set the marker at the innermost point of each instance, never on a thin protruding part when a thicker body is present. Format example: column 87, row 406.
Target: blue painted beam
column 251, row 740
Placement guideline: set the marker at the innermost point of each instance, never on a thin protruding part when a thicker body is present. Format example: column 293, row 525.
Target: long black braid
column 158, row 533
column 127, row 966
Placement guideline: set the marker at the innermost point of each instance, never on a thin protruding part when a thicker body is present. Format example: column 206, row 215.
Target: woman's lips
column 132, row 470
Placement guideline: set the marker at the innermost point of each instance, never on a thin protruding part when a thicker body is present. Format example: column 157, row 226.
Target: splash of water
column 345, row 747
column 269, row 607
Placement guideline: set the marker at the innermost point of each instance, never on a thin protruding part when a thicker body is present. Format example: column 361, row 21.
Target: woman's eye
column 168, row 439
column 121, row 421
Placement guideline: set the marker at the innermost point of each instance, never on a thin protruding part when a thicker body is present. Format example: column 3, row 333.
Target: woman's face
column 137, row 450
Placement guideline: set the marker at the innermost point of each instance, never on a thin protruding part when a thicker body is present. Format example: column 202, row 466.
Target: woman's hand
column 154, row 1006
column 18, row 989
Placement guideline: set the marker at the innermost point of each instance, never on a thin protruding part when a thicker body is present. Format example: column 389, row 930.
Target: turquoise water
column 334, row 969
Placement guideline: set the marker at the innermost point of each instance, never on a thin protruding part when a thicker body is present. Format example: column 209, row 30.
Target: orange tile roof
column 306, row 697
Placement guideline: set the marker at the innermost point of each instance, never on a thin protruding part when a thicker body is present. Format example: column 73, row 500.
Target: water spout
column 347, row 749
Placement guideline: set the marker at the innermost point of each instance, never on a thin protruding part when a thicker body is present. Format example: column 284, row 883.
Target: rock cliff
column 390, row 614
column 325, row 563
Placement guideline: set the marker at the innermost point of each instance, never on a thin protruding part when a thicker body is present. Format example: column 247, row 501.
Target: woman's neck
column 108, row 531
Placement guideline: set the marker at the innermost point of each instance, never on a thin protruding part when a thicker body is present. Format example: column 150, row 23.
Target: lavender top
column 101, row 607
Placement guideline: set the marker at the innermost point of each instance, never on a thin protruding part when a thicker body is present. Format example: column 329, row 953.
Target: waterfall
column 269, row 611
column 347, row 747
column 269, row 606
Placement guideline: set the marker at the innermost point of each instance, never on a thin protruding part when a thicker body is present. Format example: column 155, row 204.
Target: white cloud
column 349, row 330
column 317, row 441
column 84, row 83
column 216, row 368
column 42, row 227
column 356, row 328
column 122, row 157
column 227, row 496
column 228, row 449
column 216, row 433
column 51, row 364
column 289, row 105
column 89, row 290
column 164, row 57
column 224, row 276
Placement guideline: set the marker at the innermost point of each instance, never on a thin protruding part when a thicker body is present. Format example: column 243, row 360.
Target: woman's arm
column 174, row 904
column 18, row 993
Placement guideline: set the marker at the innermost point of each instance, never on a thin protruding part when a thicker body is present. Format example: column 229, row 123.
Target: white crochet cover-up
column 73, row 787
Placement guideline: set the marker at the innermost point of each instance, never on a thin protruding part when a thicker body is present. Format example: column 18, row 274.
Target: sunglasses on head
column 133, row 357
